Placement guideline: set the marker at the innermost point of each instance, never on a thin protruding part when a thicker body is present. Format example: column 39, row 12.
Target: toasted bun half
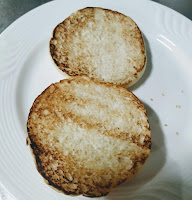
column 87, row 137
column 99, row 43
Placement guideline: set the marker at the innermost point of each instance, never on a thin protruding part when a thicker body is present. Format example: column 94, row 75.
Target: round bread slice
column 87, row 136
column 99, row 43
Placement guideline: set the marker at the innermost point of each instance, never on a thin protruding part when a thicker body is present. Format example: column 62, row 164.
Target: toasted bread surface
column 88, row 137
column 99, row 43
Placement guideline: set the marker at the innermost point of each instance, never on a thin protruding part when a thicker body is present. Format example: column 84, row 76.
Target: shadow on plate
column 155, row 180
column 148, row 67
column 151, row 168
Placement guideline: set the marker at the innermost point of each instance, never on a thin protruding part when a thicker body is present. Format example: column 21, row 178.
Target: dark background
column 10, row 10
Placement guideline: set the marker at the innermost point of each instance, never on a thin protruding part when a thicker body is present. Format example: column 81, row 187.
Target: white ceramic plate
column 165, row 88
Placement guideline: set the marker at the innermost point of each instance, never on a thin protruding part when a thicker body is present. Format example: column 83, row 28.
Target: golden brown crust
column 68, row 172
column 79, row 48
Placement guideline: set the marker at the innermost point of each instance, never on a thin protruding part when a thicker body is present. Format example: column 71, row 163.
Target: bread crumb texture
column 99, row 43
column 88, row 137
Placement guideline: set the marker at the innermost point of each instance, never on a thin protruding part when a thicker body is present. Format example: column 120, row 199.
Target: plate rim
column 14, row 23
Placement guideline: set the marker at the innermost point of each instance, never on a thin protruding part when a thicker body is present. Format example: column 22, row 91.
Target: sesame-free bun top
column 99, row 43
column 88, row 137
